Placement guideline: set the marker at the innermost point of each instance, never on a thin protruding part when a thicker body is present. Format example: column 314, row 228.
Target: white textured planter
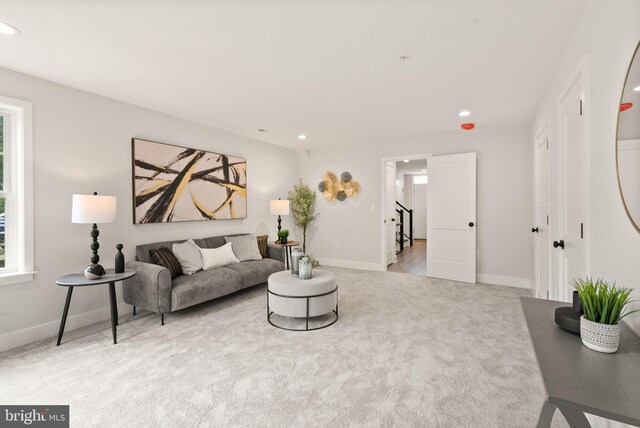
column 599, row 337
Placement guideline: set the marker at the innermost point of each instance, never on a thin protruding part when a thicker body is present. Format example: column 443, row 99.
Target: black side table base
column 65, row 312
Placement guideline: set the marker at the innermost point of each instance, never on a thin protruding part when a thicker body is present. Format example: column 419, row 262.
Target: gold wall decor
column 341, row 188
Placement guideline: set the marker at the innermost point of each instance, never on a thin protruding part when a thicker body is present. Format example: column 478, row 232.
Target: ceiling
column 326, row 69
column 415, row 166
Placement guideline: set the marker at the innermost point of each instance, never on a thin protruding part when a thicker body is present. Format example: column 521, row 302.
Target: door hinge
column 547, row 220
column 581, row 230
column 547, row 144
column 547, row 294
column 580, row 107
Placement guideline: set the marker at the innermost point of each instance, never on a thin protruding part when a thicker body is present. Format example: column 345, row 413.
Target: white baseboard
column 352, row 264
column 50, row 329
column 509, row 281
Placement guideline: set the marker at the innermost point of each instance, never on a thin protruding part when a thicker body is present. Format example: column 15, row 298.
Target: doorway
column 405, row 214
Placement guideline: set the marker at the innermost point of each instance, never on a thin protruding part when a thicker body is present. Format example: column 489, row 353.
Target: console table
column 79, row 280
column 578, row 380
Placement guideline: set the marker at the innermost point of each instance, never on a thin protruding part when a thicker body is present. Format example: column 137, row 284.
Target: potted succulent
column 603, row 305
column 283, row 235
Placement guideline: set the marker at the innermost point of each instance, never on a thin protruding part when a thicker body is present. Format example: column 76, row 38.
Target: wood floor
column 412, row 259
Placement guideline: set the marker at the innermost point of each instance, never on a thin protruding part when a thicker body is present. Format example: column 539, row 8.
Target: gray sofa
column 153, row 289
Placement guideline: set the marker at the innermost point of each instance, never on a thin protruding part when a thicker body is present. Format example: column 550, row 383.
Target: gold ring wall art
column 334, row 188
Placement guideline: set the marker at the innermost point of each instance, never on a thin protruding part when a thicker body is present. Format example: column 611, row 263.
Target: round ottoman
column 290, row 296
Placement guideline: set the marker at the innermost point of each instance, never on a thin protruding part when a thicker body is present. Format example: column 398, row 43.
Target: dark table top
column 575, row 376
column 79, row 280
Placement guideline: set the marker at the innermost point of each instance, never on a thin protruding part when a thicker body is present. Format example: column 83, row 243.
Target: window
column 16, row 192
column 420, row 179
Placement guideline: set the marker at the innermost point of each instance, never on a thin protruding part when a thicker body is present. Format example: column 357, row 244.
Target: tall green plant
column 303, row 207
column 601, row 301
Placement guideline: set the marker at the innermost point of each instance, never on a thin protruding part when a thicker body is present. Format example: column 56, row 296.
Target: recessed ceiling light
column 302, row 137
column 464, row 113
column 406, row 161
column 423, row 170
column 8, row 30
column 637, row 88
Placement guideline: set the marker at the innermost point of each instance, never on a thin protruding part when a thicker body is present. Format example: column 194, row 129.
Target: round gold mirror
column 628, row 142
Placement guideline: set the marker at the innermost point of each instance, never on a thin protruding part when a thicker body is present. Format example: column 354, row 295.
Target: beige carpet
column 407, row 351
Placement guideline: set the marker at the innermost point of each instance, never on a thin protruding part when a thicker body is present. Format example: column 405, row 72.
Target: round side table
column 292, row 297
column 79, row 280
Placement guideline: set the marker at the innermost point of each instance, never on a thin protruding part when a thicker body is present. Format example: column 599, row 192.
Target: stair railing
column 401, row 211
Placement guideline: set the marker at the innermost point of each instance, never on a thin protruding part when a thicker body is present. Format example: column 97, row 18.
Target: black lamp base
column 94, row 271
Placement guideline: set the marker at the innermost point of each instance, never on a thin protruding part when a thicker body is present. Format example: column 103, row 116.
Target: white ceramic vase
column 599, row 337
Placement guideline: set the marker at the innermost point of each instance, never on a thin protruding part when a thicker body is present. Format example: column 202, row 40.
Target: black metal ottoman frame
column 335, row 311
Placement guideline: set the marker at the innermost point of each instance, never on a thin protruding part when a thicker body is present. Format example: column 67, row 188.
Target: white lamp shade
column 93, row 209
column 280, row 207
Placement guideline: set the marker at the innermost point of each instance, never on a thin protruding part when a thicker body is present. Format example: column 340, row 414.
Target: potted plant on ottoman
column 603, row 305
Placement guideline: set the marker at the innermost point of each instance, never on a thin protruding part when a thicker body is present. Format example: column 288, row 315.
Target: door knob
column 534, row 230
column 559, row 243
column 471, row 224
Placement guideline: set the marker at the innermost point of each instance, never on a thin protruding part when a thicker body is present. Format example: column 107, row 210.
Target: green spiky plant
column 303, row 207
column 601, row 301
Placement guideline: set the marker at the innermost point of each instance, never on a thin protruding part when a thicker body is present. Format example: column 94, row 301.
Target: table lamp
column 279, row 208
column 93, row 209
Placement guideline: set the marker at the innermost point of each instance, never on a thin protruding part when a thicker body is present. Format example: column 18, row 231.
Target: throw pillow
column 218, row 257
column 188, row 254
column 245, row 247
column 263, row 245
column 165, row 258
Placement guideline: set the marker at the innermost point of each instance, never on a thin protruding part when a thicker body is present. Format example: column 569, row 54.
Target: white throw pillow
column 189, row 257
column 218, row 257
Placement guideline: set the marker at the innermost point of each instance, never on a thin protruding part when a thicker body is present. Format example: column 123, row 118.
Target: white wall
column 82, row 144
column 608, row 32
column 504, row 199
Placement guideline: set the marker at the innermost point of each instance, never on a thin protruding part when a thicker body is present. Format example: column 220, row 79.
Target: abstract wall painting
column 172, row 184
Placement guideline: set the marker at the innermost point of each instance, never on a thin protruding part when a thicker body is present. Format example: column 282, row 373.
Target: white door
column 390, row 212
column 543, row 210
column 572, row 179
column 420, row 211
column 451, row 210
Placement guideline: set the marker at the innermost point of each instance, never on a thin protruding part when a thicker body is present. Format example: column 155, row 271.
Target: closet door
column 569, row 245
column 542, row 216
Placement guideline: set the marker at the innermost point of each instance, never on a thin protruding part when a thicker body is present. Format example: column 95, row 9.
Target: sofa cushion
column 213, row 258
column 165, row 258
column 142, row 251
column 245, row 247
column 256, row 271
column 188, row 254
column 217, row 241
column 263, row 245
column 202, row 286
